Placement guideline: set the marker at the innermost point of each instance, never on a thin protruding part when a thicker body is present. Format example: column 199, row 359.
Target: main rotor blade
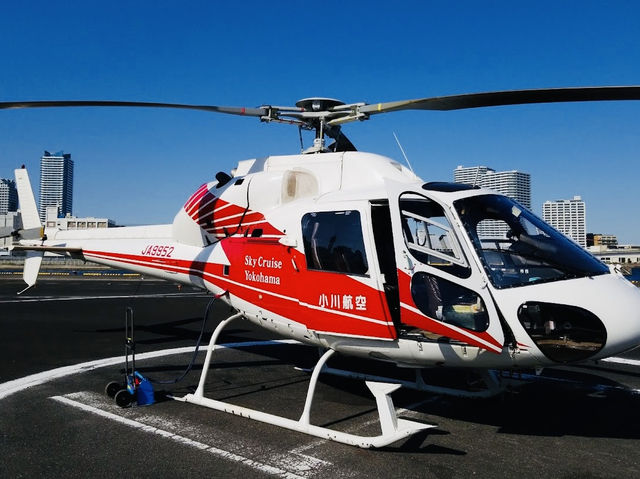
column 231, row 110
column 513, row 97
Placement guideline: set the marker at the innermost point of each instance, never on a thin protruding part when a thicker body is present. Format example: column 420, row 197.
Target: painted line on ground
column 11, row 387
column 630, row 362
column 291, row 461
column 259, row 466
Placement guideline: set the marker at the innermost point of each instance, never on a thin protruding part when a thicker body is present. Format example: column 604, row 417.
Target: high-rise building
column 470, row 174
column 56, row 183
column 8, row 196
column 568, row 217
column 514, row 184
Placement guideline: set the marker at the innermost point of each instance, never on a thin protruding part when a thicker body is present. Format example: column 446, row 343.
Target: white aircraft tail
column 28, row 208
column 31, row 227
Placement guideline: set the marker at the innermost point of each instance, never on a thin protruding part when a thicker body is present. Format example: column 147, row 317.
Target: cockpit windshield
column 518, row 248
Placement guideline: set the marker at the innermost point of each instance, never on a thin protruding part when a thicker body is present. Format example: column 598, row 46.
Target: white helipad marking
column 291, row 461
column 17, row 385
column 302, row 463
column 275, row 471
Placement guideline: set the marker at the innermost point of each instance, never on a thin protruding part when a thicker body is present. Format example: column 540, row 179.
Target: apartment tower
column 56, row 183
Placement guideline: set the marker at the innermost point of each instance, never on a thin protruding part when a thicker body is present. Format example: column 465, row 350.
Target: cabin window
column 429, row 235
column 333, row 242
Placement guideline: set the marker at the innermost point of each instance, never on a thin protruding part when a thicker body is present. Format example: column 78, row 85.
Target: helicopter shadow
column 557, row 403
column 586, row 405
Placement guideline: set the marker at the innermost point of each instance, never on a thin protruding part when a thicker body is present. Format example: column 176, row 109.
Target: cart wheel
column 112, row 388
column 123, row 398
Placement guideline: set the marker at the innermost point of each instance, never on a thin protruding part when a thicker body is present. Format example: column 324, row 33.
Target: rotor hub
column 318, row 104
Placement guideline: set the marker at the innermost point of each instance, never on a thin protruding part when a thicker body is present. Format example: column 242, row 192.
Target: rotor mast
column 317, row 111
column 322, row 115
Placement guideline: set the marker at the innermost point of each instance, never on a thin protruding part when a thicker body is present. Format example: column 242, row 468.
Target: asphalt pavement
column 63, row 341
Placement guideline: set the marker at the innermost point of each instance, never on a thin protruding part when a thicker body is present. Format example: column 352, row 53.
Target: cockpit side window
column 429, row 235
column 333, row 242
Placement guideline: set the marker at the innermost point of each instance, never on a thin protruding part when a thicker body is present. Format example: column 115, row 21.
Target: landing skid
column 393, row 428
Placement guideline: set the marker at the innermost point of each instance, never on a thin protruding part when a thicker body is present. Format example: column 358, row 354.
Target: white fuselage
column 340, row 250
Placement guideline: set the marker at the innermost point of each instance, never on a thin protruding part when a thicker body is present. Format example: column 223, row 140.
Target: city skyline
column 568, row 216
column 155, row 159
column 58, row 183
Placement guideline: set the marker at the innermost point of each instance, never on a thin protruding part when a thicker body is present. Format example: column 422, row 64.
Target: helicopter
column 353, row 253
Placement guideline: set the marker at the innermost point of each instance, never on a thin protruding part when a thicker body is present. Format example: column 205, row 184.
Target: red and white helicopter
column 353, row 253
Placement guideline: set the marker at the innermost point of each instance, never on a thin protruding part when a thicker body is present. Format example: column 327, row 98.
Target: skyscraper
column 470, row 174
column 514, row 184
column 56, row 183
column 568, row 217
column 8, row 196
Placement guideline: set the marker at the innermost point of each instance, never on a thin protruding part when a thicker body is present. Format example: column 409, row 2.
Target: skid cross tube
column 393, row 428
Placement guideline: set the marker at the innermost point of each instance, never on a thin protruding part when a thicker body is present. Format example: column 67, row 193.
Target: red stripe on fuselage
column 195, row 197
column 204, row 201
column 234, row 221
column 283, row 298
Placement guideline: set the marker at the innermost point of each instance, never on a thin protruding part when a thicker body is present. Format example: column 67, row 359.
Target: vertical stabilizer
column 28, row 208
column 32, row 228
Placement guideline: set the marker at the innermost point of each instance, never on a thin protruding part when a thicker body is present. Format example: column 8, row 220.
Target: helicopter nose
column 618, row 306
column 586, row 318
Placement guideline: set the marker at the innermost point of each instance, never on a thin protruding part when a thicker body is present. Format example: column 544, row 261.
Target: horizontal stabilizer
column 30, row 234
column 73, row 252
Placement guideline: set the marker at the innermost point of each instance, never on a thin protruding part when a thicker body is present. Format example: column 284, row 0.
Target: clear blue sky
column 138, row 166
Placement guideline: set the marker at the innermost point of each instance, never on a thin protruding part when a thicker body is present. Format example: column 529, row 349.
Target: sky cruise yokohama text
column 261, row 278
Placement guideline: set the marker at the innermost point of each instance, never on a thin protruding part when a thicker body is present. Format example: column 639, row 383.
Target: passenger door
column 339, row 285
column 442, row 293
